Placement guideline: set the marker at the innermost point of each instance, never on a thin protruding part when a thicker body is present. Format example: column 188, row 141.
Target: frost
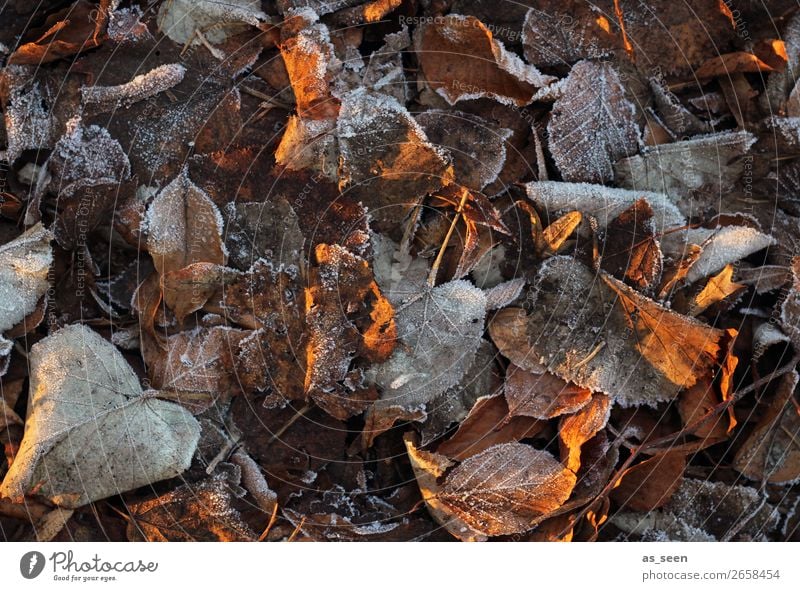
column 179, row 19
column 91, row 431
column 24, row 265
column 440, row 330
column 125, row 26
column 602, row 203
column 139, row 88
column 27, row 113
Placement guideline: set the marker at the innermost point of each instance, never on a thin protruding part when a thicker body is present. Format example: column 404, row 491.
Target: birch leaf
column 91, row 432
column 542, row 395
column 506, row 489
column 592, row 125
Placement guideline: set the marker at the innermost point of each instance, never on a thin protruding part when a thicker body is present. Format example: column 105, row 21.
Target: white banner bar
column 383, row 566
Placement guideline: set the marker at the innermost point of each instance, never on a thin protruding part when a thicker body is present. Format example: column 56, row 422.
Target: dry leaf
column 728, row 64
column 592, row 125
column 506, row 489
column 719, row 288
column 650, row 484
column 187, row 290
column 488, row 424
column 196, row 512
column 24, row 264
column 216, row 20
column 602, row 335
column 542, row 395
column 557, row 233
column 790, row 308
column 631, row 251
column 770, row 453
column 576, row 429
column 461, row 60
column 184, row 227
column 91, row 433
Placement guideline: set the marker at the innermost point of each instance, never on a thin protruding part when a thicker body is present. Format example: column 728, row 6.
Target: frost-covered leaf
column 27, row 112
column 576, row 429
column 542, row 395
column 310, row 144
column 387, row 160
column 592, row 125
column 720, row 247
column 184, row 227
column 141, row 87
column 553, row 35
column 24, row 264
column 771, row 453
column 602, row 335
column 311, row 65
column 193, row 512
column 461, row 60
column 631, row 251
column 604, row 204
column 506, row 489
column 268, row 230
column 385, row 72
column 711, row 163
column 91, row 432
column 476, row 145
column 440, row 330
column 454, row 404
column 502, row 294
column 215, row 19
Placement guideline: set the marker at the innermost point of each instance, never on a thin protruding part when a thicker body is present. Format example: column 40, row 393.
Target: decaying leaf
column 602, row 335
column 593, row 125
column 184, row 227
column 461, row 60
column 216, row 20
column 542, row 395
column 506, row 489
column 24, row 263
column 387, row 161
column 719, row 288
column 196, row 512
column 439, row 330
column 650, row 484
column 770, row 453
column 790, row 308
column 91, row 432
column 576, row 429
column 631, row 251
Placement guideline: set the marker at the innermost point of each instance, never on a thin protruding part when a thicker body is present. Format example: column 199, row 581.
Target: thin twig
column 440, row 256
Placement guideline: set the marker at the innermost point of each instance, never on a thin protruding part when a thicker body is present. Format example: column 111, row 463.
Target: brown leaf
column 184, row 227
column 68, row 32
column 557, row 233
column 196, row 512
column 651, row 483
column 187, row 290
column 718, row 288
column 696, row 402
column 488, row 424
column 509, row 331
column 461, row 60
column 771, row 453
column 506, row 489
column 592, row 125
column 576, row 429
column 542, row 395
column 732, row 63
column 631, row 251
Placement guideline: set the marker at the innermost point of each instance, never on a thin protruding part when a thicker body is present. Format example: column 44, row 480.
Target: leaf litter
column 319, row 271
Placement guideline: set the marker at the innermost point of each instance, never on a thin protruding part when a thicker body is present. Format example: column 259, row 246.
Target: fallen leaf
column 181, row 19
column 91, row 432
column 196, row 512
column 559, row 231
column 790, row 308
column 732, row 63
column 651, row 483
column 542, row 395
column 576, row 429
column 461, row 60
column 631, row 251
column 184, row 227
column 592, row 125
column 79, row 28
column 719, row 288
column 506, row 489
column 770, row 453
column 488, row 424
